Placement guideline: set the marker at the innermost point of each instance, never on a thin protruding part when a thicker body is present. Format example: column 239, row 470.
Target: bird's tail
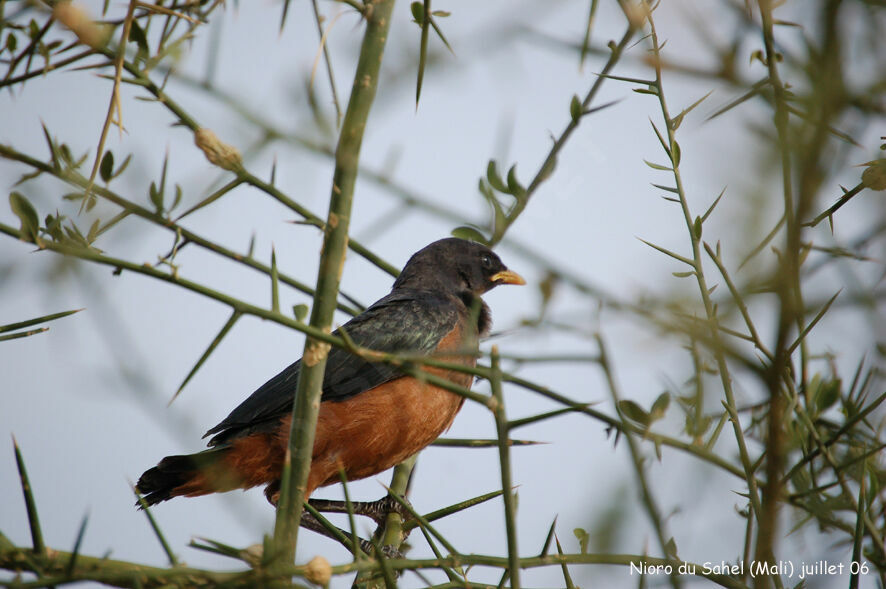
column 189, row 475
column 241, row 463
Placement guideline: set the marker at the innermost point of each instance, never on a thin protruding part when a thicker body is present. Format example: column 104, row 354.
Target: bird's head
column 457, row 266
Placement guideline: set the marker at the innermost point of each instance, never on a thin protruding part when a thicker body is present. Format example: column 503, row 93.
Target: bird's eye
column 486, row 260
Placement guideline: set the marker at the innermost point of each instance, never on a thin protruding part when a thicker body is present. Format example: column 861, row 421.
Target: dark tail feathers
column 178, row 475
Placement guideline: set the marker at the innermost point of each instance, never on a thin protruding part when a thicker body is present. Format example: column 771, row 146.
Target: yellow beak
column 508, row 277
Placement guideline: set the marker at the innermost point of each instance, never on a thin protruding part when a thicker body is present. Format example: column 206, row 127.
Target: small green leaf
column 575, row 108
column 418, row 12
column 583, row 539
column 65, row 153
column 634, row 412
column 686, row 274
column 696, row 227
column 106, row 169
column 676, row 157
column 300, row 312
column 156, row 197
column 657, row 166
column 493, row 177
column 137, row 34
column 27, row 214
column 827, row 394
column 11, row 43
column 54, row 226
column 93, row 231
column 178, row 197
column 122, row 167
column 514, row 186
column 651, row 91
column 667, row 188
column 671, row 548
column 441, row 13
column 75, row 235
column 469, row 233
column 660, row 406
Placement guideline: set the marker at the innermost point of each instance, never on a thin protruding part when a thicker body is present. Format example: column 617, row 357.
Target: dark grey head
column 456, row 266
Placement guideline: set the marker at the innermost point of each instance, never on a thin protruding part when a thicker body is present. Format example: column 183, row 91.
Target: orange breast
column 383, row 426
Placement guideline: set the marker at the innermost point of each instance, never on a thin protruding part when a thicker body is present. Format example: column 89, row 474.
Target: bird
column 372, row 416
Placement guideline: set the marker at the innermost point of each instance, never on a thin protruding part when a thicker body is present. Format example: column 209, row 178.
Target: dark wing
column 402, row 322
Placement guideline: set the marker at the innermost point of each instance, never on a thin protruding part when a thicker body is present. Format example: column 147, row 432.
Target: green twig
column 328, row 60
column 75, row 179
column 170, row 555
column 550, row 161
column 423, row 47
column 37, row 544
column 646, row 492
column 836, row 206
column 695, row 233
column 504, row 458
column 446, row 511
column 858, row 540
column 120, row 573
column 212, row 346
column 297, row 462
column 37, row 320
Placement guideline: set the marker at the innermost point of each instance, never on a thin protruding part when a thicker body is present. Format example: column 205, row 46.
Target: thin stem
column 120, row 573
column 75, row 179
column 328, row 60
column 695, row 238
column 504, row 457
column 38, row 546
column 547, row 166
column 114, row 105
column 637, row 459
column 790, row 314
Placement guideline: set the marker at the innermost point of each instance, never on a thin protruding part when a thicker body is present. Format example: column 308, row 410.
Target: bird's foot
column 310, row 522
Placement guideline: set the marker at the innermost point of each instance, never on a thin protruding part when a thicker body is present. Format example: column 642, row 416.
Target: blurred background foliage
column 723, row 371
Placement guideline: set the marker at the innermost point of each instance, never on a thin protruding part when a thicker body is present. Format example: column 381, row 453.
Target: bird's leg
column 376, row 510
column 309, row 522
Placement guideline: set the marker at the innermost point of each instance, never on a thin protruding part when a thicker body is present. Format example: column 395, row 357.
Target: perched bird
column 372, row 416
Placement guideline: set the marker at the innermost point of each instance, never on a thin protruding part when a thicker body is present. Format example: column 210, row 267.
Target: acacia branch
column 306, row 405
